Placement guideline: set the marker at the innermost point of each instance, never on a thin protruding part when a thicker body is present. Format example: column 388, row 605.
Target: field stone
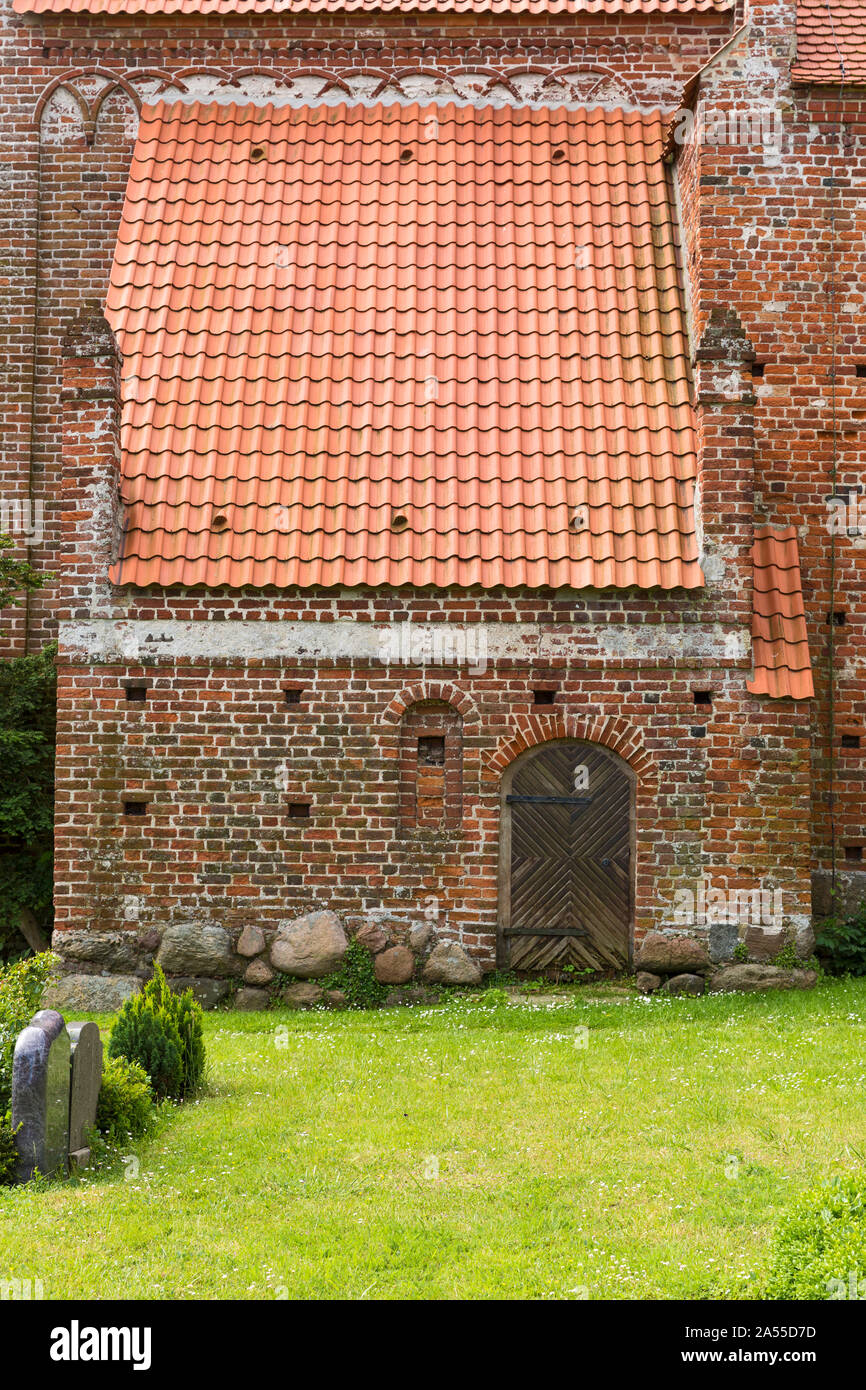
column 309, row 946
column 395, row 966
column 303, row 995
column 421, row 937
column 115, row 951
column 40, row 1096
column 763, row 946
column 336, row 999
column 647, row 982
column 756, row 977
column 374, row 937
column 86, row 1078
column 838, row 895
column 195, row 948
column 251, row 1000
column 724, row 938
column 449, row 964
column 684, row 984
column 258, row 972
column 396, row 999
column 251, row 942
column 671, row 955
column 804, row 941
column 208, row 993
column 91, row 994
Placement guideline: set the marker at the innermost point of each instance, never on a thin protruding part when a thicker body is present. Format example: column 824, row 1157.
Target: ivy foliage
column 8, row 1153
column 356, row 977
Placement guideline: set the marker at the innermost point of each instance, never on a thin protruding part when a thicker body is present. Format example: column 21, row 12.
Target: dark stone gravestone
column 40, row 1095
column 86, row 1047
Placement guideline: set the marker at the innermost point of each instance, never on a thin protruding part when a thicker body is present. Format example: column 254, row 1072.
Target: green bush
column 163, row 1031
column 148, row 1036
column 187, row 1016
column 27, row 739
column 841, row 944
column 820, row 1247
column 125, row 1106
column 189, row 1025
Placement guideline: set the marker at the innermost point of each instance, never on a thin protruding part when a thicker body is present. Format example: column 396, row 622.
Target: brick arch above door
column 616, row 734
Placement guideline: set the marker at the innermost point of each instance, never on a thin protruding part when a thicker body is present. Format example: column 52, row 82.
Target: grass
column 486, row 1148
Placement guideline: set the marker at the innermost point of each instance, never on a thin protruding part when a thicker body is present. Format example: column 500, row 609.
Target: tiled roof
column 780, row 646
column 204, row 7
column 402, row 345
column 831, row 41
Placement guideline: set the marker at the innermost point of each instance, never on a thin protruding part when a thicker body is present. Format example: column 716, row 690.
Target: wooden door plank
column 556, row 875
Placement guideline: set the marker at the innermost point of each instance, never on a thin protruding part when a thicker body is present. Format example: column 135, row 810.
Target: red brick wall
column 218, row 755
column 205, row 747
column 760, row 238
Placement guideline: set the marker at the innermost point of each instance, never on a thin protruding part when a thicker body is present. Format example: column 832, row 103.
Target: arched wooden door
column 566, row 867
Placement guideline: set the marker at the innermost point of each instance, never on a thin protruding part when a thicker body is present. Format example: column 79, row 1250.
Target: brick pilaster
column 725, row 410
column 91, row 516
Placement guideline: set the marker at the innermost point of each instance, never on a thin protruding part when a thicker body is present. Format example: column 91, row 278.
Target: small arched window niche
column 431, row 766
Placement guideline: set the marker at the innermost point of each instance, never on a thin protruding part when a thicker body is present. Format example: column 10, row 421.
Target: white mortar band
column 107, row 642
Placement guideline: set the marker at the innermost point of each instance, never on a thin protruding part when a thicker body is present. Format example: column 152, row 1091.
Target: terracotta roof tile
column 780, row 645
column 831, row 41
column 334, row 318
column 232, row 7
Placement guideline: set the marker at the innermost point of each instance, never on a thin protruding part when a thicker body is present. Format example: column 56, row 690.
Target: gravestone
column 40, row 1095
column 86, row 1045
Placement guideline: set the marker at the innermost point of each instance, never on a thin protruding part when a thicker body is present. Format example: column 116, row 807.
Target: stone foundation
column 849, row 897
column 723, row 957
column 255, row 966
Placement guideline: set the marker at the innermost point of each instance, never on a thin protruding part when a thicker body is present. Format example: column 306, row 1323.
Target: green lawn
column 485, row 1148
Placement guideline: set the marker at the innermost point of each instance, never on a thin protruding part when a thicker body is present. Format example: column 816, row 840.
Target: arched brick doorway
column 566, row 860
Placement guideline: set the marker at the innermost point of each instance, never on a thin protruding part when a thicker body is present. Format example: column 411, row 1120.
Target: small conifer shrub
column 162, row 1031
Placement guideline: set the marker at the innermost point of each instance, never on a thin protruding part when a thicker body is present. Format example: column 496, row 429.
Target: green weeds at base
column 357, row 979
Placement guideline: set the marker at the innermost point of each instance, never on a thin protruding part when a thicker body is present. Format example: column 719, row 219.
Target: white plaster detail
column 107, row 641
